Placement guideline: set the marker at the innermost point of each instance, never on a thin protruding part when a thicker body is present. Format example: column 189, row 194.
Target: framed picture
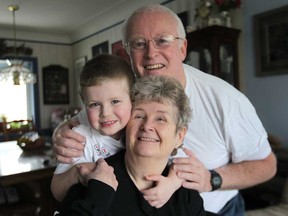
column 118, row 49
column 55, row 85
column 271, row 42
column 100, row 48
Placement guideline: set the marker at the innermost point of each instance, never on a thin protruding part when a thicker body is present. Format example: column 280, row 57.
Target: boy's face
column 108, row 106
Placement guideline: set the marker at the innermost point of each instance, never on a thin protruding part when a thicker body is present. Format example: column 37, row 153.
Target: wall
column 268, row 94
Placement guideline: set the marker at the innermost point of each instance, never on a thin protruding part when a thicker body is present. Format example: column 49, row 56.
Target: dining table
column 18, row 167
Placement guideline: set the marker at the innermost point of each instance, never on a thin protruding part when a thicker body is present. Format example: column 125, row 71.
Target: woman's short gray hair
column 156, row 8
column 163, row 89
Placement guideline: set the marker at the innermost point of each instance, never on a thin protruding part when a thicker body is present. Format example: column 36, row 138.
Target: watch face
column 217, row 181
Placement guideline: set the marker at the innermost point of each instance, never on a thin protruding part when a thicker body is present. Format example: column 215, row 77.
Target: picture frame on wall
column 100, row 48
column 271, row 45
column 55, row 85
column 118, row 49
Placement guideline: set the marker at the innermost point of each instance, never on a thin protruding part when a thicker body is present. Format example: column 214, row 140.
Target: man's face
column 151, row 60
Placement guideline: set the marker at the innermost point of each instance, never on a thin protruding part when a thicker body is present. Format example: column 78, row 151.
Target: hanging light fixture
column 16, row 72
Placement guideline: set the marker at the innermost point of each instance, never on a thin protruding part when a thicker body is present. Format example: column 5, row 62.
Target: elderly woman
column 157, row 127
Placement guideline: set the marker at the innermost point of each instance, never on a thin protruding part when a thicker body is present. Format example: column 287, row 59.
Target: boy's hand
column 165, row 187
column 83, row 171
column 101, row 172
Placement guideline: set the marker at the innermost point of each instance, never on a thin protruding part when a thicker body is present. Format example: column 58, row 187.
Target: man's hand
column 194, row 173
column 102, row 172
column 67, row 143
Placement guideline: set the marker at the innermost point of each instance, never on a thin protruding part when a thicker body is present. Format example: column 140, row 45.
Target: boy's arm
column 164, row 189
column 61, row 183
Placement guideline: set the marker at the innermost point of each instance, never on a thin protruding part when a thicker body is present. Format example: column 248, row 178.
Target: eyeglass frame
column 128, row 44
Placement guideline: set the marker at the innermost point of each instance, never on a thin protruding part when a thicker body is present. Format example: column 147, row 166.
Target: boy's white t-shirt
column 96, row 146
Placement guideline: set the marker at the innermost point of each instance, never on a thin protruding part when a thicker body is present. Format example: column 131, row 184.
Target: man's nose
column 151, row 48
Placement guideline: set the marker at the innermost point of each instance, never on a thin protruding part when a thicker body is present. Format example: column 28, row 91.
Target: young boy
column 105, row 84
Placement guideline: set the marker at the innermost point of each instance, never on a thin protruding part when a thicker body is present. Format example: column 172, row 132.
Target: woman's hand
column 194, row 173
column 67, row 144
column 101, row 172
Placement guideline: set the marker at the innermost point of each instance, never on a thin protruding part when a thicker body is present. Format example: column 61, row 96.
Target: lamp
column 16, row 72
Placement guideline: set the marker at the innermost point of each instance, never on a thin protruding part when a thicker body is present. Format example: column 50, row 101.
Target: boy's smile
column 108, row 106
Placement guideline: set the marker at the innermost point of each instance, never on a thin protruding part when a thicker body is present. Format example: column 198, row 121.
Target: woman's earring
column 175, row 150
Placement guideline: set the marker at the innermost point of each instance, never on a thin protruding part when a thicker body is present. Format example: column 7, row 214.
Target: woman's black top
column 99, row 199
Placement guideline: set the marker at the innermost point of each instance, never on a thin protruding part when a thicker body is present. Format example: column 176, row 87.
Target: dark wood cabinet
column 214, row 50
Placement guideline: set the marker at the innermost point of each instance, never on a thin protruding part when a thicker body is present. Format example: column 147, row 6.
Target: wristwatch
column 216, row 180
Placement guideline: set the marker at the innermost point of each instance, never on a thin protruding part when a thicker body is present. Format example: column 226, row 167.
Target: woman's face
column 151, row 131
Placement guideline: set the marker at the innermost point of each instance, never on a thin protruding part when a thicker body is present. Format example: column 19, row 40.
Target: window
column 20, row 101
column 15, row 99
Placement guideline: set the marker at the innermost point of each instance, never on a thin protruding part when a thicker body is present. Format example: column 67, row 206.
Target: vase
column 221, row 19
column 226, row 19
column 214, row 20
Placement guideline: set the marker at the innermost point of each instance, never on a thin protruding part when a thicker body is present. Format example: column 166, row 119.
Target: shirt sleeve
column 246, row 136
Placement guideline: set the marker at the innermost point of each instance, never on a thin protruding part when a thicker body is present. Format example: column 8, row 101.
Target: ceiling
column 62, row 16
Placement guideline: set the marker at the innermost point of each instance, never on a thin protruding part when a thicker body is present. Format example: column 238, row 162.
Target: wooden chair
column 14, row 129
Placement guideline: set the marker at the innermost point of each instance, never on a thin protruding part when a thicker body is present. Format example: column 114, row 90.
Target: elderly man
column 229, row 144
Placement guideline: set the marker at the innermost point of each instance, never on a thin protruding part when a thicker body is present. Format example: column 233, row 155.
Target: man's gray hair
column 156, row 8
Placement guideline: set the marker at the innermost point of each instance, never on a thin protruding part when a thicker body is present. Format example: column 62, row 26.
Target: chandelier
column 16, row 73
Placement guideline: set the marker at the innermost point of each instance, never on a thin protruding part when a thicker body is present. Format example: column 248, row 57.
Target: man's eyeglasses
column 159, row 42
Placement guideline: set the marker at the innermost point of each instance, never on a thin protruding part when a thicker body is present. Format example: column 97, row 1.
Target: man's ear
column 184, row 49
